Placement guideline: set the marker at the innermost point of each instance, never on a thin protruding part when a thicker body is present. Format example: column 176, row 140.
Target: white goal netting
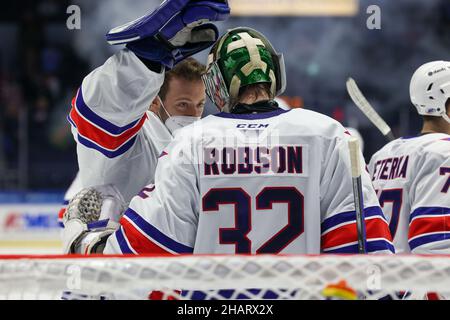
column 225, row 277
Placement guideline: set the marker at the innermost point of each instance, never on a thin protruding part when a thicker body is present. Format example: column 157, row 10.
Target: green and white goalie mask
column 240, row 58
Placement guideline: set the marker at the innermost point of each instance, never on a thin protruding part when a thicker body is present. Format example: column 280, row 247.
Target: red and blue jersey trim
column 94, row 132
column 428, row 224
column 61, row 213
column 428, row 238
column 123, row 242
column 339, row 232
column 371, row 246
column 144, row 238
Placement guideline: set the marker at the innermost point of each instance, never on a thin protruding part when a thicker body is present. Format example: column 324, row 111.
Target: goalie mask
column 242, row 57
column 430, row 89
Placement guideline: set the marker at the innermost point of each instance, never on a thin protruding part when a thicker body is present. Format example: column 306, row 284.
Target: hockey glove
column 91, row 217
column 176, row 30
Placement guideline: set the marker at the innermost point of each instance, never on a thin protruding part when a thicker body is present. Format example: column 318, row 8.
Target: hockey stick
column 364, row 105
column 353, row 145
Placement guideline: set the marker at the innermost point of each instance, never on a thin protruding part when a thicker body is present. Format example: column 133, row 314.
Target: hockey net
column 224, row 277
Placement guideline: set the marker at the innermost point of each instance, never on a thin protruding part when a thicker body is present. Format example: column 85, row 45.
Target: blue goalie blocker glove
column 159, row 50
column 176, row 30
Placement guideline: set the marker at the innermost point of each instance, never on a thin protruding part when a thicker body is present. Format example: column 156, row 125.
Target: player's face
column 185, row 98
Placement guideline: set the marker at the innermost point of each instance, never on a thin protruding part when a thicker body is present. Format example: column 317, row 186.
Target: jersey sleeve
column 429, row 222
column 339, row 231
column 107, row 116
column 163, row 218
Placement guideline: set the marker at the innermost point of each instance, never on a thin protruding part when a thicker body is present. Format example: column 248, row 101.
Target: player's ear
column 155, row 106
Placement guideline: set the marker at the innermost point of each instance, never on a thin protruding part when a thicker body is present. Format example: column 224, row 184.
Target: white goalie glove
column 91, row 217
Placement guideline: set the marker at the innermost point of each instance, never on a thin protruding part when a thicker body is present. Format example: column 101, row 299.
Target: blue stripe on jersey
column 410, row 137
column 86, row 112
column 350, row 216
column 107, row 153
column 432, row 211
column 157, row 235
column 251, row 116
column 372, row 246
column 417, row 242
column 122, row 242
column 98, row 224
column 66, row 202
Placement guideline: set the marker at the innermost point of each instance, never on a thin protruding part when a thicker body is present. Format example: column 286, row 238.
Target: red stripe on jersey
column 427, row 225
column 104, row 139
column 376, row 228
column 140, row 243
column 61, row 213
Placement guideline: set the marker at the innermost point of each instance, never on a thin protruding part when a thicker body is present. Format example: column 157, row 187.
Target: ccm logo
column 252, row 126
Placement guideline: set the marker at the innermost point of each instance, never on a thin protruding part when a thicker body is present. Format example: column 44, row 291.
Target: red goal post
column 224, row 276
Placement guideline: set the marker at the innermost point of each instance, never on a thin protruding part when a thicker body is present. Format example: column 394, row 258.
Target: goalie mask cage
column 224, row 277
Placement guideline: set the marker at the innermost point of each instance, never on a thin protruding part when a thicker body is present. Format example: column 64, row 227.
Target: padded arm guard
column 91, row 217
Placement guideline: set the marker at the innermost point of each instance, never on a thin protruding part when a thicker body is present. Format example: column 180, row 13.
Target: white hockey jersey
column 412, row 179
column 276, row 182
column 118, row 139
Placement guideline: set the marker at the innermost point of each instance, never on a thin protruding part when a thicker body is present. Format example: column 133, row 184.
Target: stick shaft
column 360, row 220
column 355, row 162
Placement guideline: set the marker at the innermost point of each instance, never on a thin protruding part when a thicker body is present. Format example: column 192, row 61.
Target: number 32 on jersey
column 242, row 203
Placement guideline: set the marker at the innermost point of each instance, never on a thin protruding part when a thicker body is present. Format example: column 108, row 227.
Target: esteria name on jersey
column 391, row 168
column 255, row 160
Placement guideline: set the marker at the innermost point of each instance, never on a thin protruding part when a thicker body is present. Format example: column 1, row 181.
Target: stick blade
column 364, row 105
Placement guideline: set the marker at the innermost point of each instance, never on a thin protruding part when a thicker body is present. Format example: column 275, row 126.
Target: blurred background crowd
column 42, row 63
